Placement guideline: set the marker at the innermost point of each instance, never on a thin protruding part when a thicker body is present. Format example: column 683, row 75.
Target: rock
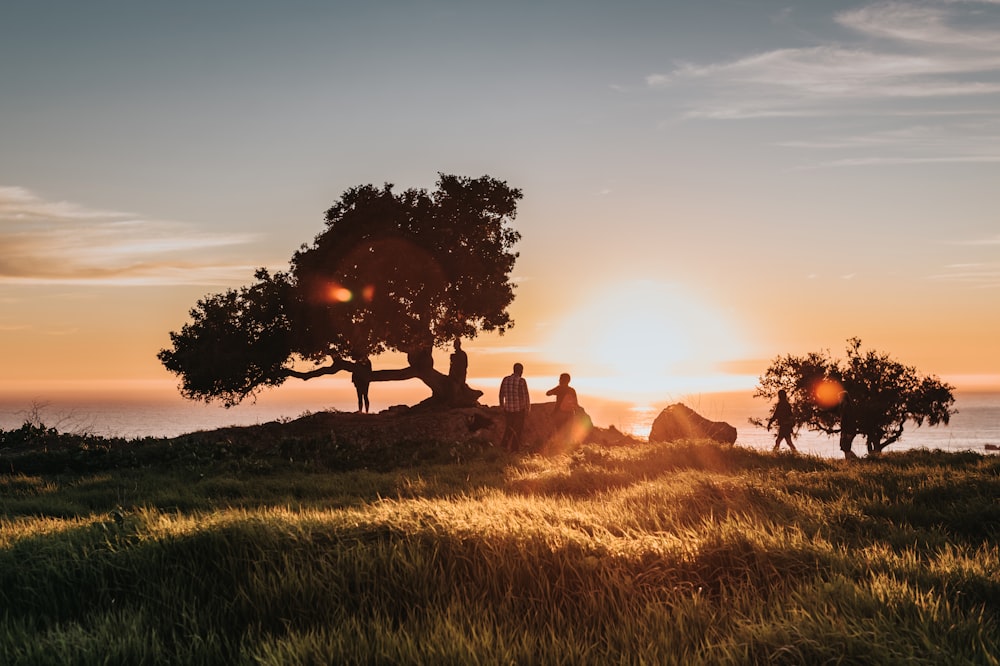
column 679, row 421
column 386, row 438
column 542, row 433
column 469, row 425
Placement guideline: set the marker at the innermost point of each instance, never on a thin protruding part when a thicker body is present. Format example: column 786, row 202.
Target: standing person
column 565, row 400
column 515, row 403
column 361, row 377
column 459, row 365
column 782, row 415
column 848, row 425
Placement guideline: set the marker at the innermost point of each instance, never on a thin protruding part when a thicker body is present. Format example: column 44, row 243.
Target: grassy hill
column 263, row 547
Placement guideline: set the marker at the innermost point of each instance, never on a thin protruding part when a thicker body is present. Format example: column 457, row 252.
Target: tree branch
column 332, row 369
column 338, row 365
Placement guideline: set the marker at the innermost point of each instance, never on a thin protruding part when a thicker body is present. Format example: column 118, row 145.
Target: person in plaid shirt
column 515, row 403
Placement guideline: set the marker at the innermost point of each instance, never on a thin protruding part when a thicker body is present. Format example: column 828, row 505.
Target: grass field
column 683, row 553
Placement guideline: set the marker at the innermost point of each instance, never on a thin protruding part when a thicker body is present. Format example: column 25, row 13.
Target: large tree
column 885, row 393
column 404, row 272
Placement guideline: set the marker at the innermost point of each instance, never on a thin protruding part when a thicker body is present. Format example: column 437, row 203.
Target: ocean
column 976, row 425
column 154, row 409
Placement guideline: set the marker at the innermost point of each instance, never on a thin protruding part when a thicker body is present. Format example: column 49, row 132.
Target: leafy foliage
column 406, row 272
column 391, row 272
column 236, row 343
column 886, row 393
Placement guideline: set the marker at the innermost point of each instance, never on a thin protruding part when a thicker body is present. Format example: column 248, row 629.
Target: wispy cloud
column 932, row 23
column 505, row 350
column 898, row 161
column 59, row 242
column 984, row 275
column 936, row 59
column 991, row 240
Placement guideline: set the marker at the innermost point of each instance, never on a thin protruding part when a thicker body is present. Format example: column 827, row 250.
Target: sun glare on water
column 641, row 339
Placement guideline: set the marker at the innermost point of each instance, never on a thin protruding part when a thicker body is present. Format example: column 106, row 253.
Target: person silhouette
column 566, row 402
column 848, row 425
column 361, row 377
column 514, row 403
column 459, row 364
column 782, row 415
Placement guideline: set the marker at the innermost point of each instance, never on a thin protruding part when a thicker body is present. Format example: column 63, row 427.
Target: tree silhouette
column 400, row 272
column 886, row 393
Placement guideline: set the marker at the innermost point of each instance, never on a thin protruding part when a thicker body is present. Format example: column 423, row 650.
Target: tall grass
column 686, row 553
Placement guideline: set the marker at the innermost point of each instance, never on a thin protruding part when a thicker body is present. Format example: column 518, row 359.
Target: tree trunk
column 444, row 391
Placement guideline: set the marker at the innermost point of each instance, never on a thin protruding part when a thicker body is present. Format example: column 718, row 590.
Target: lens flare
column 827, row 393
column 338, row 294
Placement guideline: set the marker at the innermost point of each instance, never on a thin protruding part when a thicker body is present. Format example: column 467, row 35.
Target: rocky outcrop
column 679, row 421
column 336, row 441
column 469, row 426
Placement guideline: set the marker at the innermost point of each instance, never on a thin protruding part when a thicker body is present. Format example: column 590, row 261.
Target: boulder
column 679, row 421
column 542, row 431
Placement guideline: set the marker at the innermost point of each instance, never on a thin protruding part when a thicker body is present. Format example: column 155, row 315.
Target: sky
column 706, row 185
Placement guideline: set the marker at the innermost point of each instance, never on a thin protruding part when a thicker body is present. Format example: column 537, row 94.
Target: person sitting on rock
column 566, row 402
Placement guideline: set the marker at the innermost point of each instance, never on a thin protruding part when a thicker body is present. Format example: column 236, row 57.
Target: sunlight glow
column 643, row 337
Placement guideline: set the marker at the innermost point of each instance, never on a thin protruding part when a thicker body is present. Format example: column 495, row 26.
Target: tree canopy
column 886, row 394
column 402, row 272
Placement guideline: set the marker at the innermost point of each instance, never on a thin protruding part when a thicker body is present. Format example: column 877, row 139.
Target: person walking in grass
column 782, row 415
column 514, row 403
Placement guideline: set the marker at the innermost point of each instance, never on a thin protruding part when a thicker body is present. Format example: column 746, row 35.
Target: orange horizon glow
column 607, row 388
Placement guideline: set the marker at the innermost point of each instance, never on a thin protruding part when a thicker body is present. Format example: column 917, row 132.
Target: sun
column 642, row 336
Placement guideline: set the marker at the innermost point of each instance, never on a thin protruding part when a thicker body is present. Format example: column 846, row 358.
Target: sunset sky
column 706, row 184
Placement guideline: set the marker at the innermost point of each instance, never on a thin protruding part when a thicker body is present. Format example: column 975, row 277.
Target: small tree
column 400, row 272
column 886, row 393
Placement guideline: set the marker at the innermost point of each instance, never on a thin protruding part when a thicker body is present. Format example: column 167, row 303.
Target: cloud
column 59, row 242
column 925, row 135
column 993, row 240
column 936, row 61
column 983, row 275
column 902, row 161
column 906, row 51
column 921, row 23
column 510, row 349
column 801, row 78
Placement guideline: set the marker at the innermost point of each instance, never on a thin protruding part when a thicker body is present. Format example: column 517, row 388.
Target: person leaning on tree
column 459, row 364
column 361, row 377
column 514, row 403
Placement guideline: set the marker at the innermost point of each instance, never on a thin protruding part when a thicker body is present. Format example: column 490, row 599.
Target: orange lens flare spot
column 368, row 293
column 338, row 294
column 827, row 393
